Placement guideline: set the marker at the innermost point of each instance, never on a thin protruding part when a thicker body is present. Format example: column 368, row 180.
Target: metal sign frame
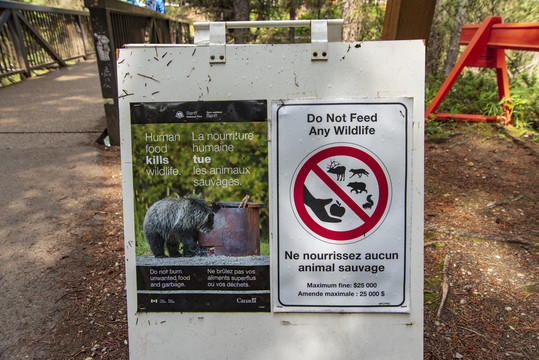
column 362, row 70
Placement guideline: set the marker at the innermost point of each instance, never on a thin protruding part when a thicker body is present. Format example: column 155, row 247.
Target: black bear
column 169, row 222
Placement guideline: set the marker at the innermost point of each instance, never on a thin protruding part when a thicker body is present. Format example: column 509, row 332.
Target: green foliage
column 152, row 188
column 8, row 80
column 432, row 294
column 321, row 9
column 475, row 12
column 471, row 93
column 434, row 131
column 264, row 246
column 270, row 35
column 317, row 9
column 267, row 10
column 432, row 299
column 246, row 154
column 369, row 18
column 439, row 246
column 476, row 92
column 222, row 10
column 523, row 103
column 142, row 248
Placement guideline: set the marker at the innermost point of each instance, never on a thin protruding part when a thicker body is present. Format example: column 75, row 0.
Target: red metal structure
column 486, row 48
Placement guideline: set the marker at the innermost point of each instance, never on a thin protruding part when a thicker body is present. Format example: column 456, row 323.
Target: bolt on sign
column 343, row 216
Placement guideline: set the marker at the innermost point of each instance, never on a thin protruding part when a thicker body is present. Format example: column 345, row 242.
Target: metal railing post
column 20, row 49
column 82, row 35
column 106, row 64
column 102, row 14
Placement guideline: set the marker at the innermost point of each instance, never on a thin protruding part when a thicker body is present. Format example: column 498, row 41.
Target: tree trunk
column 292, row 4
column 351, row 22
column 435, row 51
column 241, row 13
column 453, row 50
column 436, row 45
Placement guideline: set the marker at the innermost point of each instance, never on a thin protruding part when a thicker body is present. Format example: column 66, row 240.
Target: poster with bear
column 200, row 184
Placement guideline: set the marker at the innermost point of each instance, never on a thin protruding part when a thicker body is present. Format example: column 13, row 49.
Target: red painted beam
column 515, row 36
column 486, row 44
column 469, row 117
column 470, row 55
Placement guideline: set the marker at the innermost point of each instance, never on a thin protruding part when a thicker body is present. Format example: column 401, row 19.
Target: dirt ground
column 94, row 325
column 481, row 214
column 481, row 236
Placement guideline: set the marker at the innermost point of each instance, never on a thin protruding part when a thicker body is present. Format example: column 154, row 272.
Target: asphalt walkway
column 50, row 169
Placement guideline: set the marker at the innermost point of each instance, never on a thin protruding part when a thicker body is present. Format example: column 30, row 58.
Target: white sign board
column 375, row 79
column 343, row 224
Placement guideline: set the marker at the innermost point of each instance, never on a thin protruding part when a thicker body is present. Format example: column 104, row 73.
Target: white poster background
column 322, row 264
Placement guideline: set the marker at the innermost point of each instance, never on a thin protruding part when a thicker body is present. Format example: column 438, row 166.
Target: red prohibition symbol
column 319, row 224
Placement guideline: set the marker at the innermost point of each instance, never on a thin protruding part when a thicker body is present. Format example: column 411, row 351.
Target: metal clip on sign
column 213, row 34
column 217, row 42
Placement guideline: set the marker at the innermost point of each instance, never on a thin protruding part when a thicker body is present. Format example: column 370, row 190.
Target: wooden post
column 408, row 19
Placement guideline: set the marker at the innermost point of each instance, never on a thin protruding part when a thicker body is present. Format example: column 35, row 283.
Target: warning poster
column 200, row 203
column 342, row 203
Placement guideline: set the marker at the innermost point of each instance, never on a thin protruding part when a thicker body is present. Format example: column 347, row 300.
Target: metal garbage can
column 236, row 231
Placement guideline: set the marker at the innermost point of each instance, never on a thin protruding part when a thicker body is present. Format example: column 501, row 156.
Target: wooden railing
column 34, row 37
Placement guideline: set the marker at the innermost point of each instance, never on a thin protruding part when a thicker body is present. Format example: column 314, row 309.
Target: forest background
column 475, row 92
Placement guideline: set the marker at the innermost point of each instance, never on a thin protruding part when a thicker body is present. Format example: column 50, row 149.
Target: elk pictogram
column 336, row 168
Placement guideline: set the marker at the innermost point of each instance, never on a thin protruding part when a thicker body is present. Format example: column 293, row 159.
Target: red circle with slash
column 311, row 165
